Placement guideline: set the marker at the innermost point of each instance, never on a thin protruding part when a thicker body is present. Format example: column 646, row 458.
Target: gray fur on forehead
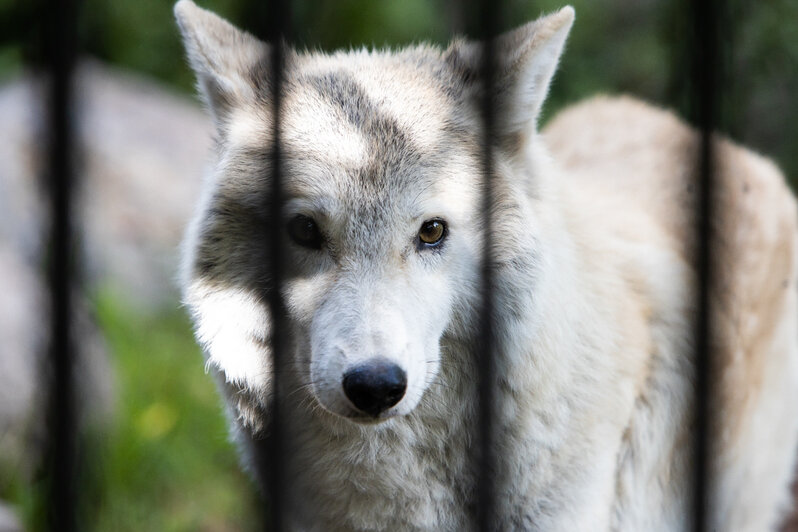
column 389, row 143
column 385, row 117
column 340, row 90
column 393, row 156
column 391, row 103
column 443, row 74
column 427, row 64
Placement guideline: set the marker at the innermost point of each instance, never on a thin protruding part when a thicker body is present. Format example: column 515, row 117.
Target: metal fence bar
column 276, row 445
column 59, row 40
column 486, row 353
column 705, row 96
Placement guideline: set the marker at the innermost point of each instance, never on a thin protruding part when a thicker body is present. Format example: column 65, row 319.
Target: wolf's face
column 382, row 181
column 380, row 224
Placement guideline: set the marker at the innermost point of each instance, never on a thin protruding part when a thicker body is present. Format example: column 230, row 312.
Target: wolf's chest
column 394, row 483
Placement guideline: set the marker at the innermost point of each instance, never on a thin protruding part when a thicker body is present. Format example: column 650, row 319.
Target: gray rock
column 141, row 155
column 142, row 150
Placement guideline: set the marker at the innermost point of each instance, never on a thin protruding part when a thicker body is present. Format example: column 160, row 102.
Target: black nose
column 375, row 386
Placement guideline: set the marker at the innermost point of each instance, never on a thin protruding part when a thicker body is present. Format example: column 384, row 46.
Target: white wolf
column 591, row 239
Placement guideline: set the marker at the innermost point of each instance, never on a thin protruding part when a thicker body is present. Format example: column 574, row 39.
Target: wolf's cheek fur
column 233, row 327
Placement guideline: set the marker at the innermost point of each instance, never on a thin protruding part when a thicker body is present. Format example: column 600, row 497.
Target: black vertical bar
column 705, row 97
column 275, row 443
column 486, row 513
column 60, row 49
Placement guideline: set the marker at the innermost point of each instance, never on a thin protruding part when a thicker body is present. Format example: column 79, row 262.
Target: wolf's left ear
column 525, row 61
column 223, row 58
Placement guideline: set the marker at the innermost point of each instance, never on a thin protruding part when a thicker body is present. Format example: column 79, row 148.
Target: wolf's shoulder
column 649, row 155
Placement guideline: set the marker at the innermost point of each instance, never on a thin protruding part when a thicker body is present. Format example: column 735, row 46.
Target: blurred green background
column 166, row 463
column 616, row 46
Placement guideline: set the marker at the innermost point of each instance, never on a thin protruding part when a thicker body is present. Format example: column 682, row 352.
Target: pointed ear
column 525, row 61
column 224, row 58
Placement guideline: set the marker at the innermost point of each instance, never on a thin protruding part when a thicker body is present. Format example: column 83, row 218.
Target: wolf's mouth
column 365, row 419
column 361, row 418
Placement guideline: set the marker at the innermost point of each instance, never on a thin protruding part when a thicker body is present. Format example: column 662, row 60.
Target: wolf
column 594, row 279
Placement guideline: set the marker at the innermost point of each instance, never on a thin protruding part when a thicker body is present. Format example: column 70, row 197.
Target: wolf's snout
column 375, row 386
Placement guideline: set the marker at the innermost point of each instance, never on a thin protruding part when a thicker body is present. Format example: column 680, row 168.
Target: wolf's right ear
column 524, row 63
column 223, row 58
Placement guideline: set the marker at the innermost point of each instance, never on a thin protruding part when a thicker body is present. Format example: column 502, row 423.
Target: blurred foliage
column 166, row 463
column 169, row 447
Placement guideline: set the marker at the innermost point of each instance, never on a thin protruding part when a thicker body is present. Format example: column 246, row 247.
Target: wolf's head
column 382, row 179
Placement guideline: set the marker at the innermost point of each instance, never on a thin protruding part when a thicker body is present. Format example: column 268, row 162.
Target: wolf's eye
column 432, row 233
column 304, row 231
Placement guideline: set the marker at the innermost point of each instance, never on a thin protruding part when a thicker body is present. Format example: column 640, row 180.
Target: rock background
column 142, row 150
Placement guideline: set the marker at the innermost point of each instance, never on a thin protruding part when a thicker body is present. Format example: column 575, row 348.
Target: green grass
column 165, row 463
